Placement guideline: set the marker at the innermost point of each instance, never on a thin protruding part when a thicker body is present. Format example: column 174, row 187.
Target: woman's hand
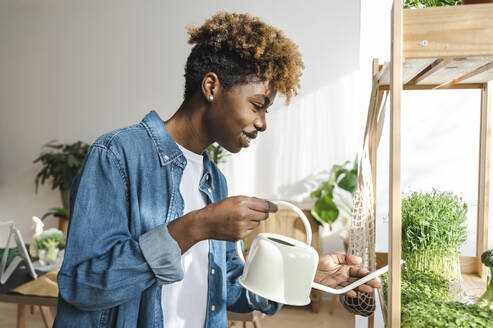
column 335, row 271
column 231, row 219
column 234, row 218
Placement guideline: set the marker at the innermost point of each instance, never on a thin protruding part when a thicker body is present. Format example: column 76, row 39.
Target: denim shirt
column 119, row 252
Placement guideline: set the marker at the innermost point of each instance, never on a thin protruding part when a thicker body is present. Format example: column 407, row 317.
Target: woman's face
column 238, row 114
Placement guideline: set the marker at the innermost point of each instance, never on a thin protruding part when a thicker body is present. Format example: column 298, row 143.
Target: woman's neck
column 186, row 127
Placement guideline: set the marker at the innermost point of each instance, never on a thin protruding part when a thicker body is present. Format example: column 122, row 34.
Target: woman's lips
column 245, row 140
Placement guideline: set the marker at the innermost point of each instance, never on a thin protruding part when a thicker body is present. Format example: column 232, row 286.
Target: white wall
column 75, row 69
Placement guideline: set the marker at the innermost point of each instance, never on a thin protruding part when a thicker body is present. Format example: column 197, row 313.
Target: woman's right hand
column 231, row 219
column 234, row 218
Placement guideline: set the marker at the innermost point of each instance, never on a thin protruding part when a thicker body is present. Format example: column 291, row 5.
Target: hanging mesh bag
column 362, row 226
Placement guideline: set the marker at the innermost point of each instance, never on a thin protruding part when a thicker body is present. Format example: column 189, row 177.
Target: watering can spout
column 355, row 284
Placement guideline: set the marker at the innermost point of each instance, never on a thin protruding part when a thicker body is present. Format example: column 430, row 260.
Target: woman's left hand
column 335, row 271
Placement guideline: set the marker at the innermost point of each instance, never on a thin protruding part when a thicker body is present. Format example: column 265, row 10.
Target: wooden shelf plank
column 482, row 77
column 437, row 86
column 411, row 68
column 474, row 286
column 455, row 31
column 456, row 68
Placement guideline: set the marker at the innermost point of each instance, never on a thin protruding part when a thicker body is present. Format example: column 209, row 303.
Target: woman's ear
column 210, row 86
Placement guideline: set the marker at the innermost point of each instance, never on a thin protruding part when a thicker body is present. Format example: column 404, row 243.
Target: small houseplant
column 61, row 163
column 327, row 205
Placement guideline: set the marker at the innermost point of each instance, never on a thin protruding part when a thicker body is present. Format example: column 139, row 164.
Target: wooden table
column 44, row 303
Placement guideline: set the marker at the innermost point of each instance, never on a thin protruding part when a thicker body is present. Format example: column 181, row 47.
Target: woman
column 152, row 232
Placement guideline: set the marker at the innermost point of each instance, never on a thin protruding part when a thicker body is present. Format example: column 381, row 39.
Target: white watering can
column 282, row 269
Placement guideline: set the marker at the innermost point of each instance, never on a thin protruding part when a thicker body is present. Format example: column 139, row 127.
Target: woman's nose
column 260, row 123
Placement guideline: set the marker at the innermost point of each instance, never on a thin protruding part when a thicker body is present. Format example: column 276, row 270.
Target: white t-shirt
column 184, row 303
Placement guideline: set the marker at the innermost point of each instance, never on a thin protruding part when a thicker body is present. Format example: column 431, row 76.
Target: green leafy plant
column 487, row 298
column 426, row 303
column 342, row 176
column 426, row 286
column 217, row 153
column 51, row 240
column 60, row 164
column 430, row 3
column 432, row 232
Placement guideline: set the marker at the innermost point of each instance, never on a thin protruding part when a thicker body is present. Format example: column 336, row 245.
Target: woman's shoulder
column 128, row 145
column 121, row 137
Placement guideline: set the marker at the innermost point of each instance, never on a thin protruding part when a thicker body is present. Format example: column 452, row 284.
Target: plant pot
column 472, row 2
column 43, row 260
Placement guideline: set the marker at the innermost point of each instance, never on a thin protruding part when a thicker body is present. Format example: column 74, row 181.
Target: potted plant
column 61, row 163
column 335, row 195
column 433, row 230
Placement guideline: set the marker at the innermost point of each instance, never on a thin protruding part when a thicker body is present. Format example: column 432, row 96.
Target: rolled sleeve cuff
column 163, row 254
column 262, row 304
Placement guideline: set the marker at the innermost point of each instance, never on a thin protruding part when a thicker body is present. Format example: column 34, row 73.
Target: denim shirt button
column 213, row 308
column 213, row 271
column 166, row 157
column 209, row 190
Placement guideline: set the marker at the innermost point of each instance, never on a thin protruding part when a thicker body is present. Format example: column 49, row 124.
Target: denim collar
column 167, row 149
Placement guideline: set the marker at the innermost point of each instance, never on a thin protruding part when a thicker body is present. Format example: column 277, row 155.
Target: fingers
column 352, row 293
column 262, row 205
column 342, row 259
column 375, row 283
column 353, row 260
column 358, row 272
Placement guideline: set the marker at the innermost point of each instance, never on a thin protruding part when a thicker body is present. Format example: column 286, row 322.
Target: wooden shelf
column 474, row 285
column 442, row 73
column 436, row 48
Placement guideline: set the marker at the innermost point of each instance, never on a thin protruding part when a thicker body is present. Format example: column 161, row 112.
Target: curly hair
column 240, row 48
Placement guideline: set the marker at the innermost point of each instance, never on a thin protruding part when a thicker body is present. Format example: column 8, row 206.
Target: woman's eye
column 259, row 107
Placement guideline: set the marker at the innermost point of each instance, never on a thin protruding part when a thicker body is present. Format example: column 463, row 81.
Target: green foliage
column 61, row 163
column 419, row 314
column 426, row 286
column 343, row 176
column 430, row 3
column 432, row 232
column 217, row 153
column 487, row 258
column 487, row 298
column 58, row 212
column 426, row 303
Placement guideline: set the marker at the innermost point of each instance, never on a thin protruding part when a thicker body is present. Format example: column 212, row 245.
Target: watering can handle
column 302, row 216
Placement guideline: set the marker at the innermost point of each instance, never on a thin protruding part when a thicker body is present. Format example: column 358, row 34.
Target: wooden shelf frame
column 453, row 48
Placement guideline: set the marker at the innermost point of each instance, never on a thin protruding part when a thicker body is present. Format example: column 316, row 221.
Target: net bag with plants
column 362, row 227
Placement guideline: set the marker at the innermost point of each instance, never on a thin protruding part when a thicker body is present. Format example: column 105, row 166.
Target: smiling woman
column 152, row 227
